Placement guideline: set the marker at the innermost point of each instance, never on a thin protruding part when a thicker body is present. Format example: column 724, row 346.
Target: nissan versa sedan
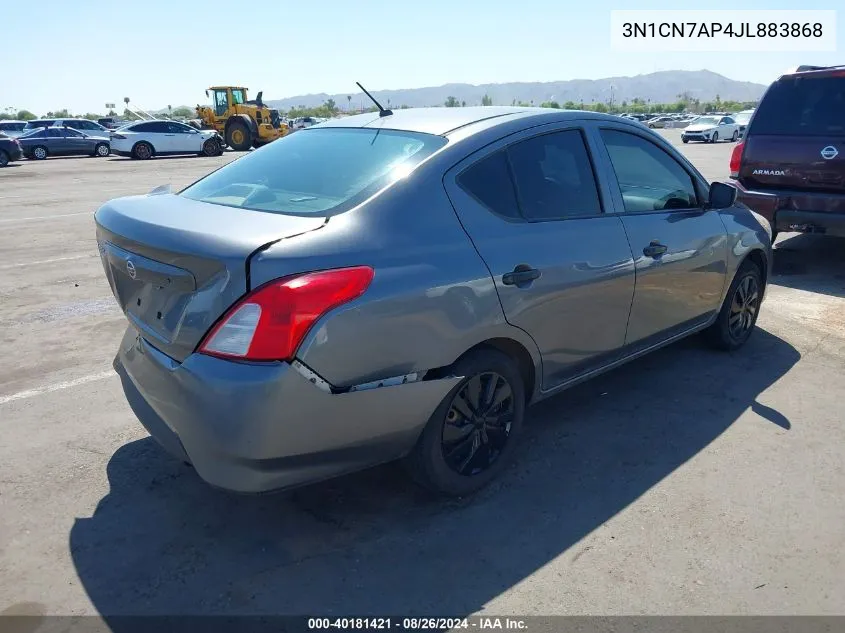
column 402, row 285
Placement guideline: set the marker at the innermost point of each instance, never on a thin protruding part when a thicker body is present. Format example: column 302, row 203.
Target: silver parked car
column 403, row 285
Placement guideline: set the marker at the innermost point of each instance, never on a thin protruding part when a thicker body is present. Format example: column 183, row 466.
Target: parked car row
column 143, row 140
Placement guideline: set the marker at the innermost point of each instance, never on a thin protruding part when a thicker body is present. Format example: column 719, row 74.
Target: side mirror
column 722, row 196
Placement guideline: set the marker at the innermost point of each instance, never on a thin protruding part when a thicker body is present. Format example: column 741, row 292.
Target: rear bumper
column 255, row 428
column 800, row 212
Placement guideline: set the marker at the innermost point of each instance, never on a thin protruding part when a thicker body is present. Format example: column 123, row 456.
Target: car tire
column 211, row 148
column 735, row 322
column 464, row 471
column 735, row 137
column 4, row 158
column 142, row 151
column 714, row 138
column 102, row 150
column 685, row 140
column 39, row 152
column 238, row 129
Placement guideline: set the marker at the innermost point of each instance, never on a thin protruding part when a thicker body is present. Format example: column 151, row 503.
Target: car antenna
column 381, row 110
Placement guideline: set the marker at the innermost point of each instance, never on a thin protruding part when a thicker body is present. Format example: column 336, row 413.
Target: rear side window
column 554, row 177
column 809, row 106
column 55, row 132
column 489, row 182
column 316, row 171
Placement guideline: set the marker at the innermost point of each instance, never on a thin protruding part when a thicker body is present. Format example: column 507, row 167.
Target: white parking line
column 47, row 217
column 47, row 261
column 67, row 384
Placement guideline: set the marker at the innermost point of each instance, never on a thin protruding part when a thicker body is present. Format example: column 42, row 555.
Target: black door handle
column 655, row 249
column 520, row 275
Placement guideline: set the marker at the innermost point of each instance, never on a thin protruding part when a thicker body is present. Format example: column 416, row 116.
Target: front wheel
column 715, row 137
column 211, row 148
column 238, row 137
column 472, row 434
column 739, row 312
column 735, row 136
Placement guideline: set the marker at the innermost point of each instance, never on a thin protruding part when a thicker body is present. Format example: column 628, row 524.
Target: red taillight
column 736, row 157
column 270, row 322
column 120, row 136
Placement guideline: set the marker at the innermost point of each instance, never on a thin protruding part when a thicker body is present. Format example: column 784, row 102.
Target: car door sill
column 590, row 373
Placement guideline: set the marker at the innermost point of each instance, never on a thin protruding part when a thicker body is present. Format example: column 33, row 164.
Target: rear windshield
column 810, row 106
column 316, row 171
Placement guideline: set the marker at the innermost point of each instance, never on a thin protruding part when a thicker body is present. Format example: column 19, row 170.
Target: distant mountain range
column 659, row 87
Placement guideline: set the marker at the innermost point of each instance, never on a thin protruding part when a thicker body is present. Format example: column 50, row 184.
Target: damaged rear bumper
column 260, row 427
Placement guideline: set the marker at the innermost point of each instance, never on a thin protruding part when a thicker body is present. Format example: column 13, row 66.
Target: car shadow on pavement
column 163, row 542
column 815, row 263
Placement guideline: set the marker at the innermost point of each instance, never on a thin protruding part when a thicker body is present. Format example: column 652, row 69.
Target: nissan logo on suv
column 830, row 152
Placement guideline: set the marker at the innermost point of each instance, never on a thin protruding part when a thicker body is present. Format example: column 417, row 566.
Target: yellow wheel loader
column 241, row 123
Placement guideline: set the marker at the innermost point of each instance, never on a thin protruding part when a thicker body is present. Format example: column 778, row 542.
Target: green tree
column 184, row 112
column 599, row 107
column 550, row 104
column 570, row 105
column 486, row 100
column 91, row 116
column 403, row 107
column 330, row 105
column 60, row 114
column 451, row 102
column 25, row 115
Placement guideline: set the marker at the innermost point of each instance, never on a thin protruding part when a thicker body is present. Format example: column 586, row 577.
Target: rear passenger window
column 554, row 177
column 489, row 182
column 811, row 106
column 649, row 178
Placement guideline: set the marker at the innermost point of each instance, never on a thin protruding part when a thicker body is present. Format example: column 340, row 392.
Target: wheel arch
column 758, row 257
column 528, row 367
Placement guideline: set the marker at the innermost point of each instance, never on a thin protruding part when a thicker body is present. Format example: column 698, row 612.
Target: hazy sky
column 81, row 55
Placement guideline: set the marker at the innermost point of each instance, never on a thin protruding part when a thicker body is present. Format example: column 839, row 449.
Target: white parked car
column 146, row 139
column 711, row 129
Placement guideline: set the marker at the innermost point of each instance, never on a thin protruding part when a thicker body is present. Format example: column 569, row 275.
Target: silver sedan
column 403, row 285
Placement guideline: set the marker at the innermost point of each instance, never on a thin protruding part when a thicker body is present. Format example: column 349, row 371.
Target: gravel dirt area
column 687, row 482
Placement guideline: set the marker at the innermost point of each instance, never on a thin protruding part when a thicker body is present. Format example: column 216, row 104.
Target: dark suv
column 790, row 165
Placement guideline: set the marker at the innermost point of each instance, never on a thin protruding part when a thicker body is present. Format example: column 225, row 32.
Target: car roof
column 442, row 121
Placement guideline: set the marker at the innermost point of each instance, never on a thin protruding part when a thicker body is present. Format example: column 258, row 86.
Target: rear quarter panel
column 432, row 297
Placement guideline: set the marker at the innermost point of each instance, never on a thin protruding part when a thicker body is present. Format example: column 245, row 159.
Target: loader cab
column 226, row 97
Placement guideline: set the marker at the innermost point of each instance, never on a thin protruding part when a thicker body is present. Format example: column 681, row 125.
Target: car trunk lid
column 175, row 265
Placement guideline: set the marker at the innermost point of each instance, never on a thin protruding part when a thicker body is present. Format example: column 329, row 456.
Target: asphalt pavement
column 687, row 482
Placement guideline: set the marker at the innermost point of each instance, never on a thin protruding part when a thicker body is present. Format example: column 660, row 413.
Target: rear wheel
column 102, row 150
column 4, row 158
column 142, row 151
column 238, row 136
column 39, row 152
column 739, row 312
column 472, row 434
